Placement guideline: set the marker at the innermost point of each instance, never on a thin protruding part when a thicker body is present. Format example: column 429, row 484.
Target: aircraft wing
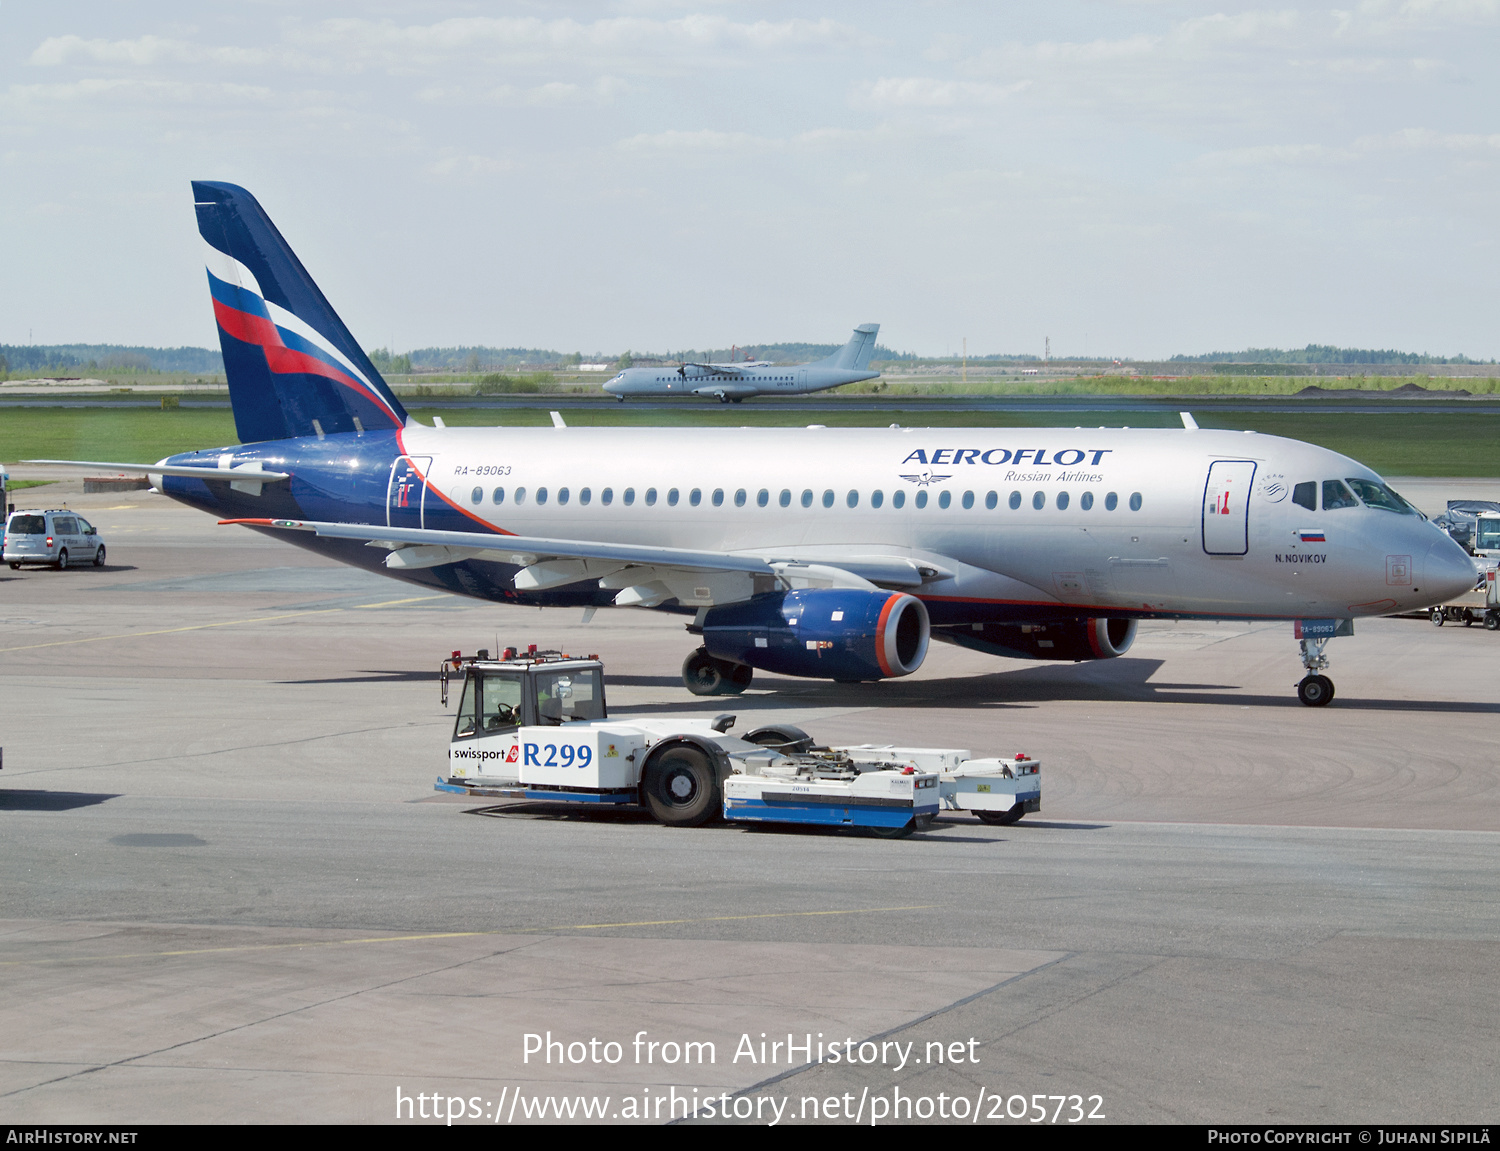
column 645, row 575
column 720, row 369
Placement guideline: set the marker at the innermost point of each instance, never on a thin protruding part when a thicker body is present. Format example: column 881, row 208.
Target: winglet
column 1188, row 422
column 557, row 420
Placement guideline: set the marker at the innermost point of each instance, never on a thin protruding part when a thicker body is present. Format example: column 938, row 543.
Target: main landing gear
column 705, row 675
column 1316, row 689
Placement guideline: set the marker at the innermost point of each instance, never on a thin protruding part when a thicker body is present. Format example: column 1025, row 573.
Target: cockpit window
column 1306, row 495
column 1378, row 495
column 1336, row 495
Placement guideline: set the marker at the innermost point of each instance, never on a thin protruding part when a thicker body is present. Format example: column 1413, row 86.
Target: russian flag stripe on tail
column 292, row 365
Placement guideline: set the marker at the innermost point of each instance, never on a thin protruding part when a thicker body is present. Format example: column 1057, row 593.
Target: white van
column 55, row 537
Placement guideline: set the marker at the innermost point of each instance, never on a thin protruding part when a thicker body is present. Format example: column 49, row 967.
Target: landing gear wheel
column 1002, row 818
column 62, row 560
column 1491, row 618
column 1315, row 690
column 15, row 567
column 99, row 557
column 894, row 832
column 681, row 788
column 738, row 679
column 701, row 674
column 705, row 675
column 1437, row 617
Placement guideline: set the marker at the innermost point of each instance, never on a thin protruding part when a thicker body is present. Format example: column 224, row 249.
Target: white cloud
column 924, row 92
column 704, row 140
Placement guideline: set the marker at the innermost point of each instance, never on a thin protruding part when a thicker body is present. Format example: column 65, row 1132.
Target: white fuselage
column 1168, row 522
column 734, row 381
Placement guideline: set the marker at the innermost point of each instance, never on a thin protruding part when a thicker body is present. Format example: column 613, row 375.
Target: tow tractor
column 534, row 725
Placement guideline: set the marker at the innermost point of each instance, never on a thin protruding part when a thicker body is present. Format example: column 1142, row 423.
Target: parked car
column 54, row 537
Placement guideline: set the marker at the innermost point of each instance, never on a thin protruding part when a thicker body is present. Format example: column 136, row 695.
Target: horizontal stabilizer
column 241, row 473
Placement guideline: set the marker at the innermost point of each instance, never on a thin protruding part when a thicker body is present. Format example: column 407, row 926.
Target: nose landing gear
column 1316, row 689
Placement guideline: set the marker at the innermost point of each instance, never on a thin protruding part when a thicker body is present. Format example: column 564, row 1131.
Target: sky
column 1131, row 178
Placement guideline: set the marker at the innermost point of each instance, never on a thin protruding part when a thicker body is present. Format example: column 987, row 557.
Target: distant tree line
column 71, row 359
column 1323, row 354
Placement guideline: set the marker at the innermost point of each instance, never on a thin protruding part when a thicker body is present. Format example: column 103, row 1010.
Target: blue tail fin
column 293, row 368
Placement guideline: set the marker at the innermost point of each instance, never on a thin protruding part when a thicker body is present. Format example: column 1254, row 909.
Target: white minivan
column 55, row 537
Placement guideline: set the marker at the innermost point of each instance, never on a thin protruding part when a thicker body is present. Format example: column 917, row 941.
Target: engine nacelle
column 1074, row 639
column 823, row 633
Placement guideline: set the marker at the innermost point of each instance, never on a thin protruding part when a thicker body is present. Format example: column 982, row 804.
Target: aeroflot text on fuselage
column 1038, row 456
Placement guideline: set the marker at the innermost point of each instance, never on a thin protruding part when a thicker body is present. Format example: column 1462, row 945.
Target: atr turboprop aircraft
column 821, row 552
column 733, row 382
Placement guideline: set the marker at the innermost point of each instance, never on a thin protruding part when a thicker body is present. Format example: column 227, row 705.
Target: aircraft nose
column 1447, row 572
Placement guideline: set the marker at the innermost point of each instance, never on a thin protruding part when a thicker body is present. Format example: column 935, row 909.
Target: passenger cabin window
column 828, row 498
column 541, row 495
column 1062, row 501
column 739, row 497
column 1015, row 500
column 1336, row 495
column 877, row 497
column 629, row 496
column 584, row 495
column 1086, row 500
column 1306, row 495
column 945, row 498
column 671, row 497
column 921, row 499
column 497, row 496
column 695, row 497
column 607, row 496
column 562, row 495
column 718, row 497
column 650, row 497
column 476, row 496
column 786, row 497
column 898, row 499
column 991, row 501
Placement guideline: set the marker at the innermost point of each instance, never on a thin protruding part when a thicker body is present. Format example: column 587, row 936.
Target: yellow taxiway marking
column 454, row 935
column 222, row 623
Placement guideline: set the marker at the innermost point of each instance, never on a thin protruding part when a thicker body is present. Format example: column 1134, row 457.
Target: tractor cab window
column 1336, row 495
column 569, row 696
column 1306, row 495
column 1487, row 534
column 500, row 702
column 491, row 702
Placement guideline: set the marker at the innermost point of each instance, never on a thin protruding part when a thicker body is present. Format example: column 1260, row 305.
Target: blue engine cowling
column 832, row 633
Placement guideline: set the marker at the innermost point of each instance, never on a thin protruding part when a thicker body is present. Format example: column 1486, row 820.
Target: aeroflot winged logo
column 922, row 479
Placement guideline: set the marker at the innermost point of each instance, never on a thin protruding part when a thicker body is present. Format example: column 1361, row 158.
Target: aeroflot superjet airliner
column 733, row 382
column 834, row 553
